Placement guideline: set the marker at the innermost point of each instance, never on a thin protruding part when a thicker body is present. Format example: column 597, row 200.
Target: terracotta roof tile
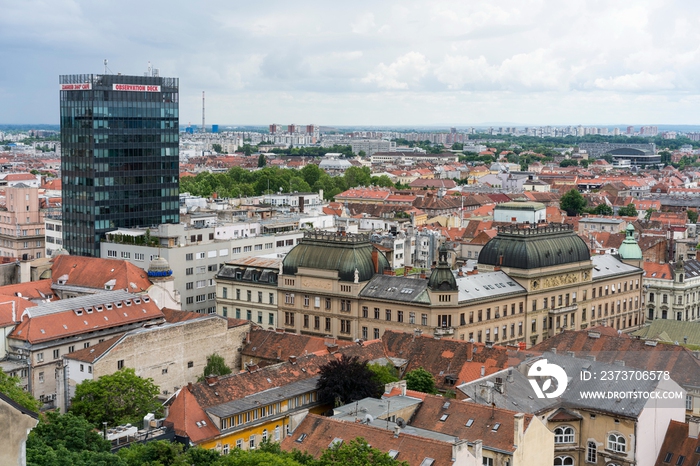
column 95, row 272
column 678, row 442
column 321, row 431
column 38, row 290
column 185, row 413
column 459, row 412
column 657, row 271
column 279, row 346
column 40, row 326
column 174, row 315
column 447, row 360
column 91, row 353
column 609, row 347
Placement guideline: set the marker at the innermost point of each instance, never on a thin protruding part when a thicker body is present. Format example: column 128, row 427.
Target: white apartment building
column 195, row 255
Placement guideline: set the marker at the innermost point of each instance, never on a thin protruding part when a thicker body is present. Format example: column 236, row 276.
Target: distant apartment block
column 371, row 146
column 21, row 224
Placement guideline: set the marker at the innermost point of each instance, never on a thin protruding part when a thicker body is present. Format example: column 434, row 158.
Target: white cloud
column 406, row 71
column 636, row 82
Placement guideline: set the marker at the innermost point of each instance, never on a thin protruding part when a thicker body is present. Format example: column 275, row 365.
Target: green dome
column 532, row 248
column 629, row 249
column 331, row 251
column 442, row 278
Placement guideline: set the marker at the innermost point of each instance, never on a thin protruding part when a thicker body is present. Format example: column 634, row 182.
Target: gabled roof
column 216, row 394
column 316, row 434
column 678, row 442
column 608, row 347
column 92, row 353
column 670, row 331
column 75, row 316
column 279, row 346
column 187, row 416
column 95, row 273
column 483, row 418
column 35, row 291
column 658, row 271
column 445, row 359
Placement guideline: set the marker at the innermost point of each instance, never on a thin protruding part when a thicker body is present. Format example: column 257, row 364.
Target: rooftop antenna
column 107, row 70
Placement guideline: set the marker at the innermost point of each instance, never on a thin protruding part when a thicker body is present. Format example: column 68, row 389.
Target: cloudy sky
column 369, row 63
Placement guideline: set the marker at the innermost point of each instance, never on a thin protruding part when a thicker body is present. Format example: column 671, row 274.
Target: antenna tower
column 203, row 127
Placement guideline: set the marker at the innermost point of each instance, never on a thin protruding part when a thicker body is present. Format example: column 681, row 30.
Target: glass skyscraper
column 119, row 156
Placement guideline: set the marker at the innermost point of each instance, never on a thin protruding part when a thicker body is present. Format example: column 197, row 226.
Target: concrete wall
column 14, row 434
column 164, row 353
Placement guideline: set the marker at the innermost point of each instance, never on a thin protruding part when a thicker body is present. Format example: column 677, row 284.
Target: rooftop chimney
column 332, row 348
column 375, row 260
column 470, row 350
column 211, row 379
column 252, row 367
column 518, row 429
column 293, row 359
column 693, row 427
column 478, row 454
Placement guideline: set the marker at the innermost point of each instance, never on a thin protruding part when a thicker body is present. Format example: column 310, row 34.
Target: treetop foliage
column 345, row 380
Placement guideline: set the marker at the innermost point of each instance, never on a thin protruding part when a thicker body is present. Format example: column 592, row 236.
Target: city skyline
column 398, row 64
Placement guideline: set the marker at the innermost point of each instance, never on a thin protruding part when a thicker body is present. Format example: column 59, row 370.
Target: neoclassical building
column 530, row 284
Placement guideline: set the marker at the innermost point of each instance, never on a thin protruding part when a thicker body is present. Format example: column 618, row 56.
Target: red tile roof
column 321, row 431
column 451, row 362
column 658, row 271
column 459, row 412
column 38, row 290
column 678, row 442
column 39, row 325
column 95, row 272
column 279, row 346
column 609, row 347
column 185, row 414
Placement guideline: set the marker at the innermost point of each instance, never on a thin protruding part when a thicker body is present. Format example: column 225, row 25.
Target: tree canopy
column 572, row 202
column 384, row 373
column 628, row 211
column 346, row 380
column 216, row 365
column 692, row 216
column 10, row 387
column 357, row 452
column 602, row 209
column 119, row 398
column 67, row 440
column 420, row 380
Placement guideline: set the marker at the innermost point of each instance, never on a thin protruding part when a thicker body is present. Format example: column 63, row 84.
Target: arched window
column 616, row 443
column 564, row 434
column 563, row 461
column 264, row 435
column 592, row 453
column 277, row 433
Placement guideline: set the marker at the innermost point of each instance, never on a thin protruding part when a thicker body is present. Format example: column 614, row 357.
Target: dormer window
column 146, row 299
column 108, row 306
column 137, row 301
column 99, row 308
column 79, row 312
column 127, row 302
column 88, row 310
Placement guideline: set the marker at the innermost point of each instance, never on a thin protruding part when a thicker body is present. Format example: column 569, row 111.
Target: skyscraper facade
column 119, row 155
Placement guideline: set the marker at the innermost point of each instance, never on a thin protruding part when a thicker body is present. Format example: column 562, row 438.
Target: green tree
column 608, row 158
column 568, row 163
column 216, row 365
column 10, row 387
column 629, row 211
column 362, row 154
column 167, row 453
column 665, row 156
column 692, row 216
column 648, row 212
column 572, row 202
column 261, row 161
column 247, row 150
column 357, row 452
column 356, row 176
column 602, row 209
column 68, row 440
column 383, row 181
column 457, row 146
column 311, row 173
column 119, row 398
column 346, row 380
column 420, row 380
column 384, row 373
column 216, row 148
column 584, row 163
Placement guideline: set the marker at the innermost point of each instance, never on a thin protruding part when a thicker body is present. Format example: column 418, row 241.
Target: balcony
column 563, row 310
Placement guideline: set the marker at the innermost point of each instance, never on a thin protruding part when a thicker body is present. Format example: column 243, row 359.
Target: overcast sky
column 368, row 62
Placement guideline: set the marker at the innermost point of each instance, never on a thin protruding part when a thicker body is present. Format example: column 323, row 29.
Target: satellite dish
column 368, row 418
column 401, row 422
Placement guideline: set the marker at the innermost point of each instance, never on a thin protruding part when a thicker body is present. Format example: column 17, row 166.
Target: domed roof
column 531, row 248
column 629, row 249
column 159, row 267
column 442, row 278
column 330, row 251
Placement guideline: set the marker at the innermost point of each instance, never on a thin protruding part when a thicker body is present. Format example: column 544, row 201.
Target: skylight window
column 444, row 417
column 393, row 454
column 301, row 438
column 470, row 422
column 495, row 427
